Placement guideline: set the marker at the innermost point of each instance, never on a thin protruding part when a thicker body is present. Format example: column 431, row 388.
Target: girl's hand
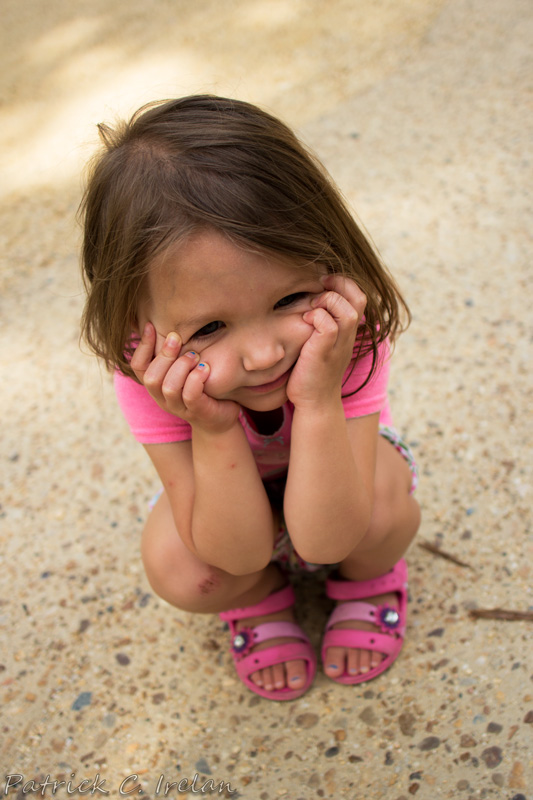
column 317, row 375
column 176, row 382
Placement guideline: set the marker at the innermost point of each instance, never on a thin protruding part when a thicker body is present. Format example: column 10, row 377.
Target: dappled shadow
column 65, row 66
column 426, row 136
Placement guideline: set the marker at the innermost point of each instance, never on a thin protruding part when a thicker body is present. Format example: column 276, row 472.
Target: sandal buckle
column 242, row 642
column 389, row 618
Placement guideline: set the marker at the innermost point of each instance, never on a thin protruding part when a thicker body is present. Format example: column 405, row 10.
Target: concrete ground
column 421, row 110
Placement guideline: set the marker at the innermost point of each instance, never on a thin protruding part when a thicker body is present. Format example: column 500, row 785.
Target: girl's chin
column 255, row 401
column 265, row 402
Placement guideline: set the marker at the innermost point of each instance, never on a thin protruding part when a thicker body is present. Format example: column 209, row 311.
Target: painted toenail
column 363, row 670
column 296, row 678
column 333, row 666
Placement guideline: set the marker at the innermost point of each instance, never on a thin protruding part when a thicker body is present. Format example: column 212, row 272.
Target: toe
column 334, row 662
column 364, row 662
column 278, row 674
column 354, row 661
column 375, row 660
column 296, row 674
column 257, row 678
column 268, row 679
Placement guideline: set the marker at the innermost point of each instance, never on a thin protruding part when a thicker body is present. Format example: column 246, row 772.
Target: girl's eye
column 291, row 299
column 208, row 330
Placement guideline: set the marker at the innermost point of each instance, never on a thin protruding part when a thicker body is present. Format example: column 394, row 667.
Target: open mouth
column 269, row 387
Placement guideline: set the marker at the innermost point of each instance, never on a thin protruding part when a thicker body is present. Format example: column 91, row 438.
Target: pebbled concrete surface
column 421, row 110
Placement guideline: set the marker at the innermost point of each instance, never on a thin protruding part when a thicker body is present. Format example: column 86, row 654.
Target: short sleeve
column 373, row 397
column 148, row 422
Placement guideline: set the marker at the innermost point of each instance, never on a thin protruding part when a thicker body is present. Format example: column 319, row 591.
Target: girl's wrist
column 203, row 430
column 320, row 415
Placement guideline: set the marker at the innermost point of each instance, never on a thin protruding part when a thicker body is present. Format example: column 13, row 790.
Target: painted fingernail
column 201, row 365
column 191, row 354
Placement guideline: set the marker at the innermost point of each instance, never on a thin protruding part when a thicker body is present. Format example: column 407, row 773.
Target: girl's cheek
column 221, row 377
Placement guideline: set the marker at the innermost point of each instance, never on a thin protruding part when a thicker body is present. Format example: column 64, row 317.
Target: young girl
column 248, row 321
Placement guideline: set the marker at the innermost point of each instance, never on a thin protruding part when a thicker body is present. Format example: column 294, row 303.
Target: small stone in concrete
column 492, row 756
column 429, row 743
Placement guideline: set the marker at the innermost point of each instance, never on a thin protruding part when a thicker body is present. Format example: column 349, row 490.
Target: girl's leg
column 180, row 578
column 394, row 523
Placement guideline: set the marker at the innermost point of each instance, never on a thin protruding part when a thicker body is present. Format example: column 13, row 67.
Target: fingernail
column 191, row 354
column 172, row 340
column 201, row 365
column 146, row 330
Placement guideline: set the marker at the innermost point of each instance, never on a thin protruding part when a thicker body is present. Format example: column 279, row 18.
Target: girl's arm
column 330, row 483
column 219, row 503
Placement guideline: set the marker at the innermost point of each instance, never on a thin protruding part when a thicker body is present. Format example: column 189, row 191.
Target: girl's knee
column 394, row 512
column 184, row 585
column 175, row 574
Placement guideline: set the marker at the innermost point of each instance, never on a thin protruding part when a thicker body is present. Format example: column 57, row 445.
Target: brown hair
column 211, row 162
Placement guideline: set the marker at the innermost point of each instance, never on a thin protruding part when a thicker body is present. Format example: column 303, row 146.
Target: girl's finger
column 323, row 323
column 193, row 388
column 175, row 377
column 144, row 351
column 155, row 373
column 348, row 288
column 342, row 311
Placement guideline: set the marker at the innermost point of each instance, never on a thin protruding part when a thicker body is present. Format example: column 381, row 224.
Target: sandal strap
column 363, row 640
column 364, row 612
column 278, row 601
column 292, row 651
column 274, row 630
column 393, row 581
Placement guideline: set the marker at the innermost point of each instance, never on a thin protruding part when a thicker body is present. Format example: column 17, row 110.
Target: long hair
column 207, row 162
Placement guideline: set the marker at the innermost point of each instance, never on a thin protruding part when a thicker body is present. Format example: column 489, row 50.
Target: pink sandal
column 242, row 642
column 390, row 619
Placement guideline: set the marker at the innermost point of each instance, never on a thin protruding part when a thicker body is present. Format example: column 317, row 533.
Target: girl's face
column 240, row 310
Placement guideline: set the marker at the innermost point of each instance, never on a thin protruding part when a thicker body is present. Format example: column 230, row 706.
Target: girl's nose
column 261, row 353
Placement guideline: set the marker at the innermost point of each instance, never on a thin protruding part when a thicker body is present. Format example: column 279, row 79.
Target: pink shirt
column 150, row 424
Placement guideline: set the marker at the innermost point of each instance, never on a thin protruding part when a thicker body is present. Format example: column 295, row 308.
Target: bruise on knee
column 209, row 583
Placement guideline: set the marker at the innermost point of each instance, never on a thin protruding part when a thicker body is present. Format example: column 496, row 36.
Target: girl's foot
column 365, row 632
column 272, row 654
column 291, row 674
column 340, row 660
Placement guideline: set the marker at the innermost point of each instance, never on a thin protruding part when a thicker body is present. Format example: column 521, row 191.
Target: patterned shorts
column 284, row 552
